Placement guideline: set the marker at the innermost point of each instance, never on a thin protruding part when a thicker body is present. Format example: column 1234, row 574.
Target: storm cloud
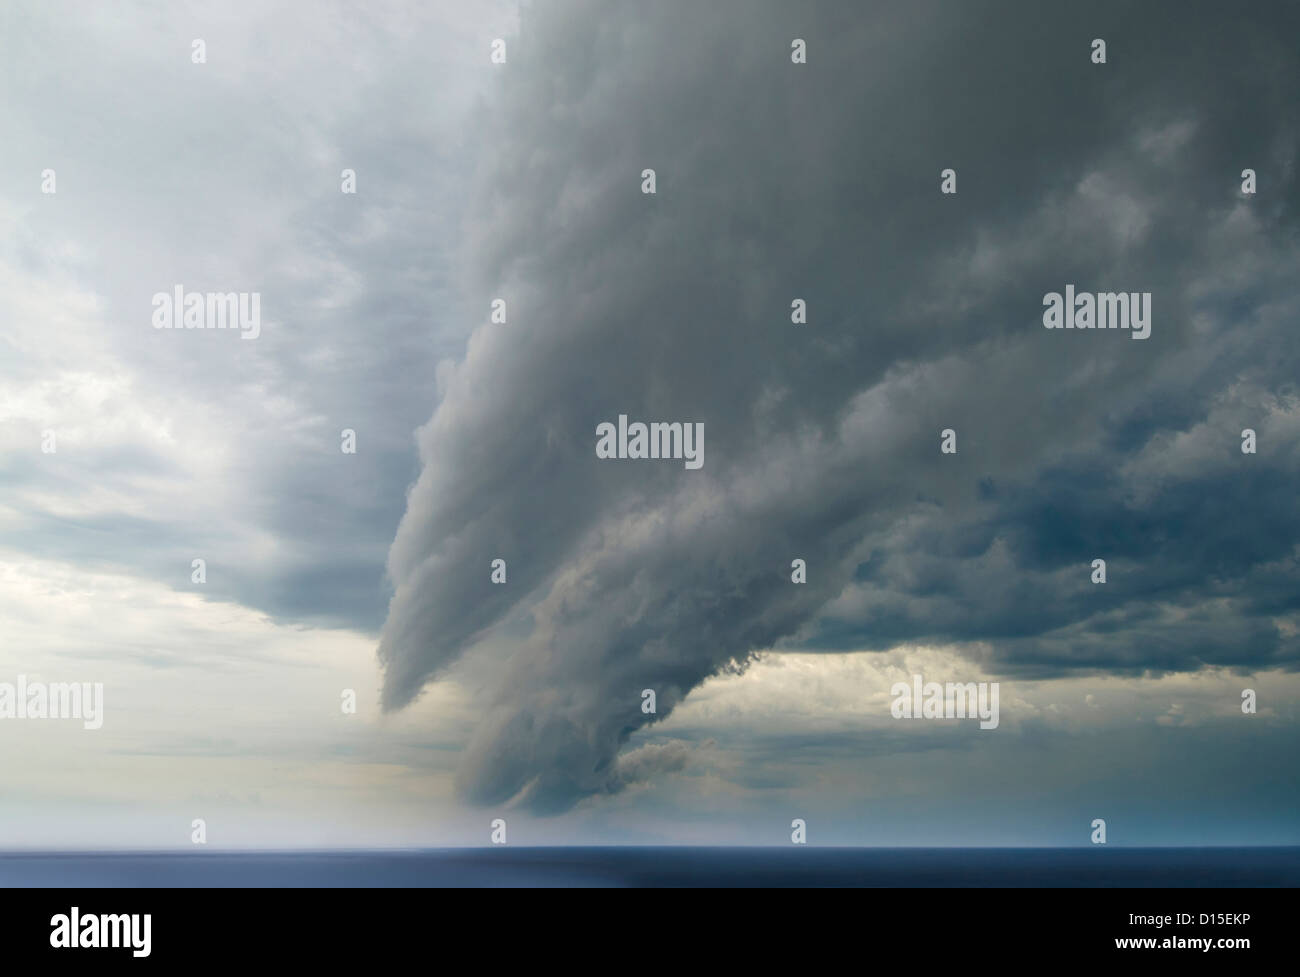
column 821, row 181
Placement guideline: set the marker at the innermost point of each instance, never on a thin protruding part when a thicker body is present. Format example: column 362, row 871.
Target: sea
column 671, row 867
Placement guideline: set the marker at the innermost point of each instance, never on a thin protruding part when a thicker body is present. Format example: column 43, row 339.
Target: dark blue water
column 689, row 867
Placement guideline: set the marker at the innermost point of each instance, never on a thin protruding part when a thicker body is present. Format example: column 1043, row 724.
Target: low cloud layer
column 821, row 181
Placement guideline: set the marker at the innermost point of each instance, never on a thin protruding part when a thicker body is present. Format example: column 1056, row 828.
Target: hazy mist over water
column 668, row 867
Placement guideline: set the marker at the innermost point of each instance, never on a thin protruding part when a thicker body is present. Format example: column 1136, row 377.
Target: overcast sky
column 475, row 439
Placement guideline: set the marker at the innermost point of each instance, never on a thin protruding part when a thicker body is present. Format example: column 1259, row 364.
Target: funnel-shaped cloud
column 821, row 182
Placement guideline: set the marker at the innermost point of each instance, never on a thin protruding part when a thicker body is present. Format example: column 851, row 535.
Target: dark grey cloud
column 821, row 182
